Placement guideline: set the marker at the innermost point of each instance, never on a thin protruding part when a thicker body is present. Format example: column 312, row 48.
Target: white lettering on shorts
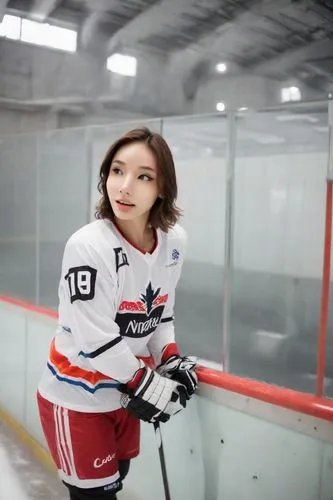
column 98, row 462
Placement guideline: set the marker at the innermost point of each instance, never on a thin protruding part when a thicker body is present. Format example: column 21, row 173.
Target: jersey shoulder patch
column 81, row 283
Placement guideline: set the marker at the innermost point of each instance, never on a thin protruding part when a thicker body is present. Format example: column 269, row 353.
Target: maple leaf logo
column 150, row 297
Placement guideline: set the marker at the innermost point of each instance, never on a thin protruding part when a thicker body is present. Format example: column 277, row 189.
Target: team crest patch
column 174, row 258
column 175, row 254
column 140, row 318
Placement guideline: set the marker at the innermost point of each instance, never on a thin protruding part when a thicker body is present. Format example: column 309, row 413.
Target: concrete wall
column 29, row 72
column 20, row 122
column 17, row 122
column 237, row 91
column 78, row 88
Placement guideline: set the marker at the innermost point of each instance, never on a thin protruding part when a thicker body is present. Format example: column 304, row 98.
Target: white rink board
column 224, row 446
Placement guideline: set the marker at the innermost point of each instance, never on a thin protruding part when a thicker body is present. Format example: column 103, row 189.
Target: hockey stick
column 124, row 401
column 159, row 442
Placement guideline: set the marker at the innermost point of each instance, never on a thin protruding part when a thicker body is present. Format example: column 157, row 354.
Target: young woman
column 116, row 302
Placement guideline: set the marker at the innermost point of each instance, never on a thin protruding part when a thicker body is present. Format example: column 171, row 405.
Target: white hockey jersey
column 115, row 303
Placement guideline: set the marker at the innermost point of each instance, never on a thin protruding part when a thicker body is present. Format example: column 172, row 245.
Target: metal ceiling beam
column 314, row 66
column 91, row 23
column 3, row 5
column 89, row 27
column 41, row 9
column 212, row 45
column 163, row 12
column 66, row 16
column 282, row 63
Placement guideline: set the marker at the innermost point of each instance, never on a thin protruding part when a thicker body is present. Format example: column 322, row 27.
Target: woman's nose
column 126, row 186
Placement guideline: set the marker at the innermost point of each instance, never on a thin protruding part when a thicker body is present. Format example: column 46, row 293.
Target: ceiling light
column 221, row 67
column 220, row 106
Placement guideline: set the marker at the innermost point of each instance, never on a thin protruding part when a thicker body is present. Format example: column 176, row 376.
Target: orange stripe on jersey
column 64, row 367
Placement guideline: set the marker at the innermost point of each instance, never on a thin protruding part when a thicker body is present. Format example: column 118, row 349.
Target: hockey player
column 116, row 302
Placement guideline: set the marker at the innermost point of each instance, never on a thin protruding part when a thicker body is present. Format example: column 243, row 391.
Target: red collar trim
column 133, row 244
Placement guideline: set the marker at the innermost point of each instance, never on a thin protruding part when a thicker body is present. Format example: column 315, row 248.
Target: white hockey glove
column 151, row 397
column 182, row 370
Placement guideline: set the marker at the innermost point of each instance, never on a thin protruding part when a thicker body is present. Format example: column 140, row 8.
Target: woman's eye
column 145, row 177
column 116, row 170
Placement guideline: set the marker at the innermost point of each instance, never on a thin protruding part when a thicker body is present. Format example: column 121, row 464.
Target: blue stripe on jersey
column 102, row 385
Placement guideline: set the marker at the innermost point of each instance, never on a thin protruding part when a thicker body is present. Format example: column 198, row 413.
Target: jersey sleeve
column 88, row 306
column 163, row 344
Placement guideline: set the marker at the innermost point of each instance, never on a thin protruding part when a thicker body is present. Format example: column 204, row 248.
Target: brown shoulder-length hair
column 164, row 213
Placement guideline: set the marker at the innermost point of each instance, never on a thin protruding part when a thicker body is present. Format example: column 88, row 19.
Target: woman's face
column 132, row 184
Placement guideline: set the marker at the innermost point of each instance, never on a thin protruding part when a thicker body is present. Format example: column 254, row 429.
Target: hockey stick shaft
column 124, row 402
column 159, row 441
